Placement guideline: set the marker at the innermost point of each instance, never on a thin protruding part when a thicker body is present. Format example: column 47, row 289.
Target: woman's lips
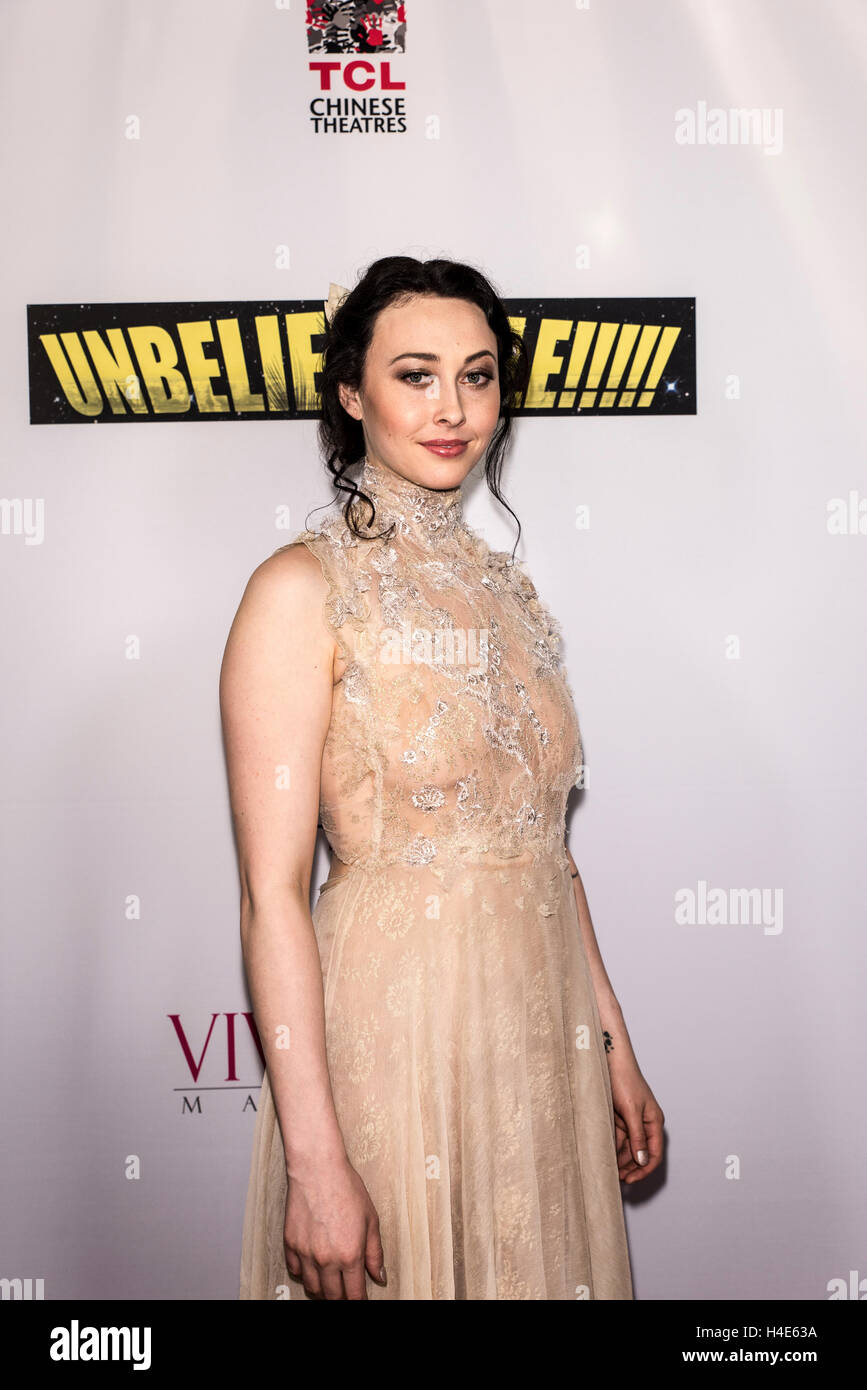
column 446, row 449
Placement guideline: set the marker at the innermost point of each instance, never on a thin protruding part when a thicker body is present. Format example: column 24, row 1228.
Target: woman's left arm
column 638, row 1119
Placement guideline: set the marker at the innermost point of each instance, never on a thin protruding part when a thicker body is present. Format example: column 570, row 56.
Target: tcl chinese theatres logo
column 357, row 97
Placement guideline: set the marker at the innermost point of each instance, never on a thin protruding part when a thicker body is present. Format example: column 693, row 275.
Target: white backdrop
column 713, row 617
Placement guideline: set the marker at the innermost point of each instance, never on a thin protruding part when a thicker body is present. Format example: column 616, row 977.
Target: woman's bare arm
column 609, row 1009
column 276, row 687
column 638, row 1118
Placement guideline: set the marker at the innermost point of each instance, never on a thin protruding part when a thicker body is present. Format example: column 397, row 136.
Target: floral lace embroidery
column 453, row 732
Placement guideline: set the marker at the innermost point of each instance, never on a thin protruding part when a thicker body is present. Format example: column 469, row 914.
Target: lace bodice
column 453, row 734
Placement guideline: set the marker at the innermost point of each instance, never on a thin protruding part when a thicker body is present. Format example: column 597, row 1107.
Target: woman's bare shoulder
column 286, row 596
column 291, row 574
column 283, row 595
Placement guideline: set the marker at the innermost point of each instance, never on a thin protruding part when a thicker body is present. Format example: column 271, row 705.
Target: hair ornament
column 336, row 296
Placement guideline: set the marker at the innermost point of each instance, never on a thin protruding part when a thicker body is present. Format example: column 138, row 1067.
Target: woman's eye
column 412, row 377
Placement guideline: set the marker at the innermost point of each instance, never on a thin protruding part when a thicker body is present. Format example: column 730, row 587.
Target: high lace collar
column 427, row 514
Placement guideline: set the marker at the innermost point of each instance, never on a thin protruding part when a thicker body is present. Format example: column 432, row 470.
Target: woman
column 450, row 1096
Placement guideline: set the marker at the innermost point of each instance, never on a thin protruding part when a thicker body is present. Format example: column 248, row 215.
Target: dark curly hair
column 348, row 337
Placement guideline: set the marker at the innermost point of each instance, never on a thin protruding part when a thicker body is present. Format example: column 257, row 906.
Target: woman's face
column 430, row 376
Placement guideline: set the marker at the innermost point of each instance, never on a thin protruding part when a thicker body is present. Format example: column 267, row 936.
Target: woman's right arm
column 276, row 687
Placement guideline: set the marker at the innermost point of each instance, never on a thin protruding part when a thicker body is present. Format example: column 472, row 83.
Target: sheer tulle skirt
column 471, row 1086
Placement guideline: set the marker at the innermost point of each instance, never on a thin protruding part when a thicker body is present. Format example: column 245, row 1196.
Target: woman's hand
column 331, row 1235
column 638, row 1121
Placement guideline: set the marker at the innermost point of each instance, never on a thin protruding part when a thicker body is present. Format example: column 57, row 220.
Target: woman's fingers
column 637, row 1135
column 373, row 1255
column 310, row 1278
column 650, row 1142
column 625, row 1161
column 331, row 1282
column 655, row 1139
column 354, row 1281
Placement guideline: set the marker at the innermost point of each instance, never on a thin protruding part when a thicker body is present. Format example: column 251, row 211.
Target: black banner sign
column 252, row 361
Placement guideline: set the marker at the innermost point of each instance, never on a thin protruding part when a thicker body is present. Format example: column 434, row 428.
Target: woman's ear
column 349, row 400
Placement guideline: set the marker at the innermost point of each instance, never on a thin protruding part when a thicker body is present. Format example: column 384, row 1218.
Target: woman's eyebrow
column 432, row 357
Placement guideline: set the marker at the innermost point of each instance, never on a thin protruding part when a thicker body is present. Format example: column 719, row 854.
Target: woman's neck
column 427, row 514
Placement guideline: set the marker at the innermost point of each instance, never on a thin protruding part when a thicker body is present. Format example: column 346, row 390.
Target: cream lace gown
column 464, row 1043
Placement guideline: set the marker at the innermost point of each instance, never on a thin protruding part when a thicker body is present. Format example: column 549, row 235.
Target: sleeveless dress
column 463, row 1038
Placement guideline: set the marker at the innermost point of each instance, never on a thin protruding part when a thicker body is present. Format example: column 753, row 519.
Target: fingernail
column 641, row 1155
column 382, row 1275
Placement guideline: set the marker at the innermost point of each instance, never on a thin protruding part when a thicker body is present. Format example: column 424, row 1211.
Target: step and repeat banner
column 669, row 199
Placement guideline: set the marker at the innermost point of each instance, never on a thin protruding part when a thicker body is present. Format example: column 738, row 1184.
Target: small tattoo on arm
column 607, row 1039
